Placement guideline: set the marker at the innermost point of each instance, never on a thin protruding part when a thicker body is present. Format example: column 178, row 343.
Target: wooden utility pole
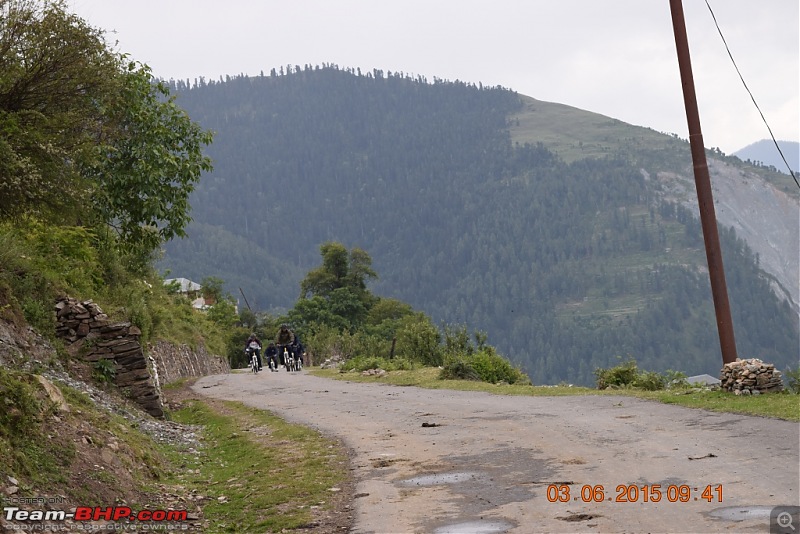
column 708, row 218
column 245, row 299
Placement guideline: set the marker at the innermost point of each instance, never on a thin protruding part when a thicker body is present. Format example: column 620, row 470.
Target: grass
column 576, row 134
column 260, row 474
column 782, row 405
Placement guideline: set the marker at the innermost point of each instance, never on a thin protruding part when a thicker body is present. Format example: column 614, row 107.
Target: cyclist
column 253, row 344
column 298, row 350
column 272, row 356
column 284, row 340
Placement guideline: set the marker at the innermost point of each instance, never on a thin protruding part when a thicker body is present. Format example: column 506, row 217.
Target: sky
column 613, row 57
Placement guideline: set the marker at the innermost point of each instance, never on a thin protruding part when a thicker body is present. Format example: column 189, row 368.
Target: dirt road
column 450, row 461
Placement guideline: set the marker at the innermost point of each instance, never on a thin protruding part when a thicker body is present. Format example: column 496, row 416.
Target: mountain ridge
column 764, row 153
column 566, row 261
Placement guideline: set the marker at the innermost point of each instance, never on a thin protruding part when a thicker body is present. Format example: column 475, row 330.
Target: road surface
column 446, row 461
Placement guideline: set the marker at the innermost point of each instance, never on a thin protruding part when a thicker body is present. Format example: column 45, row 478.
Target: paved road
column 450, row 461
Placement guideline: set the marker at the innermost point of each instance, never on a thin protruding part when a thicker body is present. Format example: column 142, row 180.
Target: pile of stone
column 750, row 377
column 79, row 319
column 92, row 337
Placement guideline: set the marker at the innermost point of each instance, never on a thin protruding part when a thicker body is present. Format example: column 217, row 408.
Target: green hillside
column 575, row 134
column 531, row 221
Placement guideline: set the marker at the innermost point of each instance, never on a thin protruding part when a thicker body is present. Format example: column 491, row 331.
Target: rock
column 751, row 376
column 55, row 396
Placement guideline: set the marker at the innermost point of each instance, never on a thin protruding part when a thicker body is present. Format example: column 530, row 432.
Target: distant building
column 192, row 290
column 706, row 380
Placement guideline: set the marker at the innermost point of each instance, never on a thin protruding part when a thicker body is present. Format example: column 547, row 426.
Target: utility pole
column 245, row 299
column 708, row 218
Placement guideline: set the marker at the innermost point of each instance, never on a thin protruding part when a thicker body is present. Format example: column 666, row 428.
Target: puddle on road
column 475, row 527
column 741, row 513
column 439, row 479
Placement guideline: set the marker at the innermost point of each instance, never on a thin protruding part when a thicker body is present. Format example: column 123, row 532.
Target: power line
column 751, row 94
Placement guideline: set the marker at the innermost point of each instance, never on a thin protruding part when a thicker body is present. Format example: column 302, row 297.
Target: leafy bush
column 793, row 377
column 675, row 379
column 493, row 368
column 38, row 315
column 370, row 346
column 485, row 365
column 223, row 313
column 418, row 340
column 649, row 381
column 459, row 369
column 621, row 375
column 628, row 375
column 104, row 370
column 457, row 341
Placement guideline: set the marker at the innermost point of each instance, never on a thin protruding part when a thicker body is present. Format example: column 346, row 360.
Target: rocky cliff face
column 765, row 217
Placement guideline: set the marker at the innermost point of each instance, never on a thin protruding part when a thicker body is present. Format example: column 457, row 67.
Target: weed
column 793, row 379
column 104, row 370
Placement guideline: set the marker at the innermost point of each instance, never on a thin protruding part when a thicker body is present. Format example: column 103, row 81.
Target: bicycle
column 253, row 360
column 288, row 360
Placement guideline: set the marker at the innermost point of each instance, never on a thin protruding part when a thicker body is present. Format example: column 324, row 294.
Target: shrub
column 104, row 370
column 418, row 340
column 793, row 377
column 20, row 416
column 459, row 369
column 493, row 368
column 485, row 366
column 619, row 376
column 675, row 379
column 649, row 381
column 627, row 375
column 457, row 341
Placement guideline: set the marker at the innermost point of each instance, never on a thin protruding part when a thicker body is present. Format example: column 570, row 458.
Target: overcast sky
column 614, row 57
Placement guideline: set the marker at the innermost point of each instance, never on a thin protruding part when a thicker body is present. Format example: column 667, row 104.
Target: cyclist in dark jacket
column 272, row 355
column 284, row 341
column 298, row 350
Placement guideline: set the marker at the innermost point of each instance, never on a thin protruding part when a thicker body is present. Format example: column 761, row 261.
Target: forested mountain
column 566, row 260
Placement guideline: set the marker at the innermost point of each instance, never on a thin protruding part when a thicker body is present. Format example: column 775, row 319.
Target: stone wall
column 174, row 362
column 91, row 336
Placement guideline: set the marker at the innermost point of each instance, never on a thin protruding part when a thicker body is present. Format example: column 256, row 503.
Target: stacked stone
column 750, row 377
column 93, row 337
column 78, row 319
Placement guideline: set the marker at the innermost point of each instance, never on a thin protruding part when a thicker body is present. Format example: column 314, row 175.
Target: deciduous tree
column 87, row 136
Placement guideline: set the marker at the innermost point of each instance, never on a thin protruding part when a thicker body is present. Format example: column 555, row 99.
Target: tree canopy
column 338, row 287
column 87, row 136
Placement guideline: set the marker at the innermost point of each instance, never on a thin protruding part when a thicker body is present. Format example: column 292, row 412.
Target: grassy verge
column 778, row 405
column 256, row 472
